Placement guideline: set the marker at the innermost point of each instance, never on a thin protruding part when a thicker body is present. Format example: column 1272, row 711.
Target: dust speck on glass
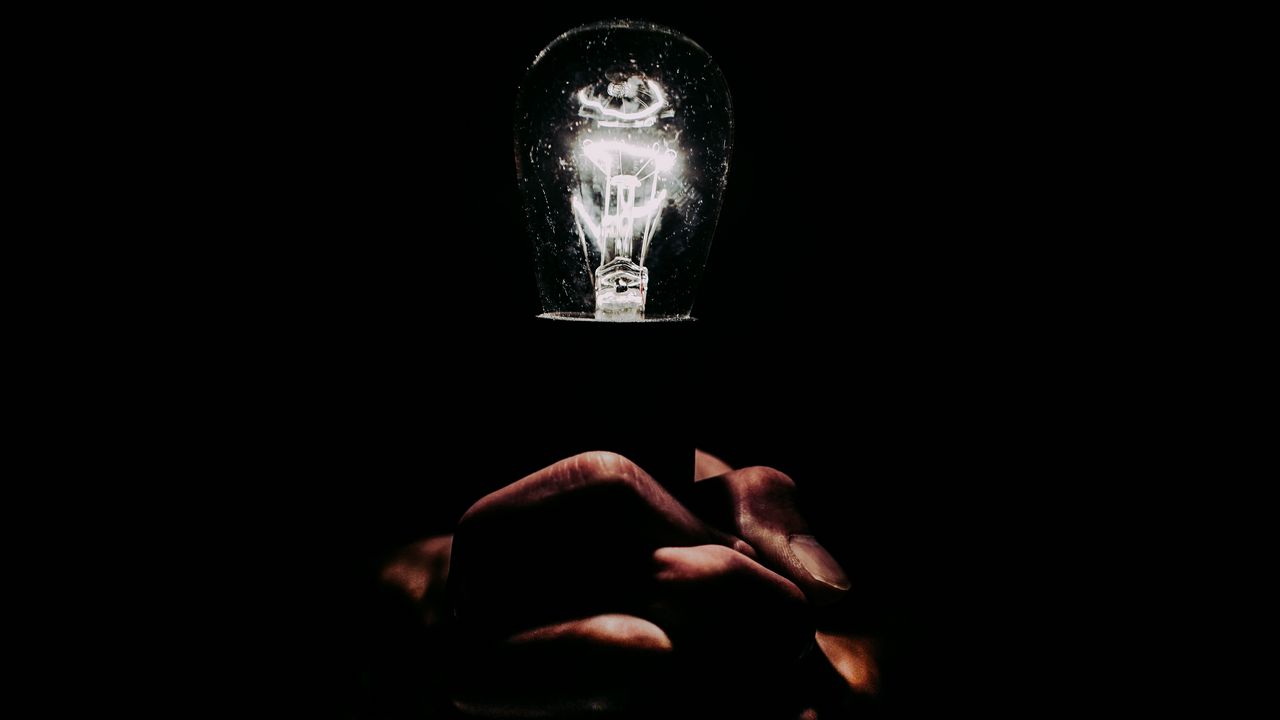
column 623, row 137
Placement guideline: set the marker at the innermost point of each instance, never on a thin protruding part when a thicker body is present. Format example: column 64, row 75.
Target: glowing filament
column 639, row 118
column 621, row 198
column 621, row 205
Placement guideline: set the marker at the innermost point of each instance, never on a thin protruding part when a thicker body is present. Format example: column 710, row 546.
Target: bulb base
column 614, row 319
column 624, row 387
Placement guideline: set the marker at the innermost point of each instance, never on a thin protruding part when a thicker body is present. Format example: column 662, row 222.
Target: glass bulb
column 623, row 137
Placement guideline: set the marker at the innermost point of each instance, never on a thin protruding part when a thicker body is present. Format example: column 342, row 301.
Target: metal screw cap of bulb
column 624, row 132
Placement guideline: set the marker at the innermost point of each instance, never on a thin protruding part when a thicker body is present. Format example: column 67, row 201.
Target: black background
column 885, row 314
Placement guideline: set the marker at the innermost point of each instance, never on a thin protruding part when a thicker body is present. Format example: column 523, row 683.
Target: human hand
column 587, row 586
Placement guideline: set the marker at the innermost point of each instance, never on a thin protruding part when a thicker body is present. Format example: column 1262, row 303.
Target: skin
column 588, row 587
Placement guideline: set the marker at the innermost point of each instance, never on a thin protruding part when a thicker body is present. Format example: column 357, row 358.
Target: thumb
column 758, row 504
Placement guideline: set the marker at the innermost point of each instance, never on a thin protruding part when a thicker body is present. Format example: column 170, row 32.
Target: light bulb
column 623, row 137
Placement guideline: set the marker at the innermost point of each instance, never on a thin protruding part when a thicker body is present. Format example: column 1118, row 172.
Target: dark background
column 882, row 316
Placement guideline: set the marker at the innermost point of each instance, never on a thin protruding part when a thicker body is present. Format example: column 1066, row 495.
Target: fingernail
column 818, row 562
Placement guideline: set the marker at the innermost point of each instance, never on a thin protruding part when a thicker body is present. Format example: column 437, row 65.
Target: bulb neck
column 622, row 285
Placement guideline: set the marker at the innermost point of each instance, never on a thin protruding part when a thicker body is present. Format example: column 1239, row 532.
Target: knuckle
column 601, row 467
column 632, row 632
column 597, row 469
column 766, row 480
column 766, row 501
column 469, row 518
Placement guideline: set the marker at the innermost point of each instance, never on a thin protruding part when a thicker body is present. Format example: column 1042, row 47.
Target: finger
column 576, row 483
column 597, row 663
column 759, row 505
column 606, row 664
column 854, row 658
column 571, row 540
column 718, row 603
column 615, row 631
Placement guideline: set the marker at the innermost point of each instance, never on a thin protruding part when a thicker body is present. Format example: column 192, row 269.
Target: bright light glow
column 602, row 153
column 586, row 223
column 621, row 209
column 649, row 114
column 597, row 234
column 622, row 196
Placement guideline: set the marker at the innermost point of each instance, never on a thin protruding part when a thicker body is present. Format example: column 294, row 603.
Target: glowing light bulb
column 623, row 137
